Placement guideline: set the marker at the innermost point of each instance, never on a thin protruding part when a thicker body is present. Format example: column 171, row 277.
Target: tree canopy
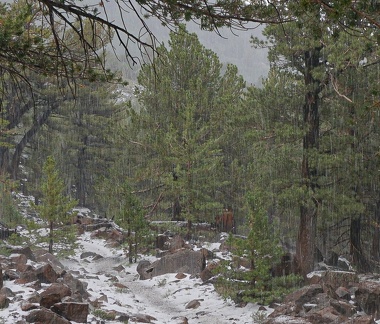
column 34, row 34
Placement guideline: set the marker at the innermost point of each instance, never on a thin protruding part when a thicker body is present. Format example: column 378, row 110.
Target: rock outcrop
column 186, row 261
column 332, row 297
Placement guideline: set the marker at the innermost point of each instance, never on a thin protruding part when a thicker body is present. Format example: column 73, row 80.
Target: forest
column 296, row 159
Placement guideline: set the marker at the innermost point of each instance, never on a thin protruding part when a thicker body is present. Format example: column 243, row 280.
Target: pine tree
column 56, row 207
column 186, row 105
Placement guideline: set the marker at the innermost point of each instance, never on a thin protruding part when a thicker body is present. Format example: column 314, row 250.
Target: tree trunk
column 51, row 238
column 28, row 136
column 376, row 234
column 358, row 258
column 309, row 208
column 81, row 185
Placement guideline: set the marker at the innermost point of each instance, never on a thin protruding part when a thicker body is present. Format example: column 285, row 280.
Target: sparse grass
column 161, row 282
column 103, row 314
column 259, row 317
column 167, row 294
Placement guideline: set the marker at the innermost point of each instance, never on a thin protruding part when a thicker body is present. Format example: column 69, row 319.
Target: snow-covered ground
column 164, row 297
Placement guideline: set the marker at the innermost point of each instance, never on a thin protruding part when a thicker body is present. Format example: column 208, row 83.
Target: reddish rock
column 18, row 259
column 46, row 274
column 368, row 297
column 27, row 276
column 304, row 295
column 27, row 252
column 57, row 288
column 4, row 301
column 180, row 275
column 208, row 272
column 25, row 306
column 45, row 316
column 343, row 293
column 49, row 300
column 76, row 312
column 75, row 285
column 176, row 243
column 7, row 292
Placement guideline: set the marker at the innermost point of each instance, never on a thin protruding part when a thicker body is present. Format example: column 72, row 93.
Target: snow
column 164, row 297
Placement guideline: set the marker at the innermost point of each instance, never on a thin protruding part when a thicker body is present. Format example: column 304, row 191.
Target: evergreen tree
column 186, row 106
column 318, row 59
column 55, row 208
column 125, row 209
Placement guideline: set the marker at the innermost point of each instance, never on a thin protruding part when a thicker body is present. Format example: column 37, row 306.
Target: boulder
column 25, row 251
column 57, row 288
column 7, row 292
column 304, row 295
column 27, row 276
column 48, row 300
column 4, row 301
column 18, row 260
column 193, row 304
column 45, row 316
column 161, row 242
column 186, row 261
column 46, row 274
column 368, row 297
column 208, row 272
column 76, row 286
column 76, row 312
column 176, row 243
column 43, row 256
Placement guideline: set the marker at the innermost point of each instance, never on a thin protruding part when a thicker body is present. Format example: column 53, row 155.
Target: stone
column 208, row 272
column 7, row 292
column 186, row 261
column 161, row 241
column 46, row 274
column 180, row 275
column 368, row 297
column 75, row 285
column 25, row 306
column 4, row 301
column 193, row 304
column 343, row 293
column 179, row 320
column 343, row 307
column 26, row 277
column 176, row 243
column 25, row 251
column 142, row 318
column 76, row 312
column 304, row 295
column 43, row 256
column 57, row 288
column 45, row 316
column 49, row 300
column 360, row 319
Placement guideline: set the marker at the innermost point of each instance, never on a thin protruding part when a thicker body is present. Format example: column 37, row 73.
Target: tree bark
column 309, row 208
column 356, row 250
column 376, row 234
